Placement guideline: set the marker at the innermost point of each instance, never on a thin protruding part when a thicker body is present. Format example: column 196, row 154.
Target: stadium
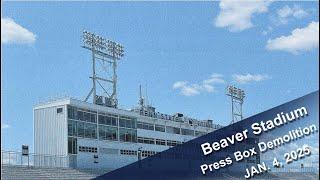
column 76, row 139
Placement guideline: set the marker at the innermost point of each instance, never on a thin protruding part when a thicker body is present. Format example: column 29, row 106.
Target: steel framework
column 105, row 54
column 237, row 96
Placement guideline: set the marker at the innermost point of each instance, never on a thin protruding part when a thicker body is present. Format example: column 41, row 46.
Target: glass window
column 187, row 132
column 90, row 131
column 108, row 120
column 128, row 135
column 139, row 125
column 102, row 132
column 72, row 145
column 71, row 112
column 147, row 126
column 160, row 128
column 80, row 116
column 87, row 117
column 93, row 118
column 127, row 122
column 101, row 119
column 198, row 133
column 59, row 110
column 173, row 130
column 111, row 133
column 80, row 129
column 161, row 142
column 114, row 121
column 122, row 123
column 72, row 128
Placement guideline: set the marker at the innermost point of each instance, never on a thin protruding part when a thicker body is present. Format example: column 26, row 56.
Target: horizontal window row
column 82, row 129
column 160, row 128
column 169, row 129
column 145, row 140
column 108, row 120
column 147, row 153
column 172, row 143
column 127, row 123
column 147, row 126
column 89, row 130
column 128, row 152
column 158, row 141
column 82, row 115
column 88, row 149
column 199, row 133
column 173, row 130
column 187, row 132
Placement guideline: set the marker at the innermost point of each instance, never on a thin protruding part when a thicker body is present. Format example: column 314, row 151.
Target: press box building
column 97, row 136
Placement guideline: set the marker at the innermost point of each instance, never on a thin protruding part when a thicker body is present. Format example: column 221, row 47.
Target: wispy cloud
column 267, row 31
column 5, row 126
column 246, row 78
column 236, row 15
column 303, row 39
column 11, row 32
column 286, row 13
column 193, row 89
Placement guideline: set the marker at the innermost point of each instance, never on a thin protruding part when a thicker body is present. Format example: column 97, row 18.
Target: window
column 80, row 129
column 108, row 120
column 187, row 132
column 88, row 149
column 128, row 135
column 160, row 128
column 147, row 126
column 173, row 130
column 172, row 143
column 127, row 123
column 147, row 153
column 108, row 133
column 72, row 112
column 198, row 133
column 145, row 140
column 90, row 130
column 87, row 116
column 161, row 142
column 72, row 145
column 128, row 152
column 72, row 128
column 59, row 110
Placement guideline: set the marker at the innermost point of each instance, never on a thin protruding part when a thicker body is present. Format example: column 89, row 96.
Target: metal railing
column 13, row 158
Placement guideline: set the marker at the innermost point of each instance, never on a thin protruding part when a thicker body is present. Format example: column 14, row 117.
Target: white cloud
column 303, row 39
column 236, row 15
column 11, row 32
column 285, row 13
column 206, row 85
column 246, row 78
column 5, row 126
column 267, row 31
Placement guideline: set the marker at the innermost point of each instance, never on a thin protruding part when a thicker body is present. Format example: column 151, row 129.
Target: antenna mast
column 141, row 100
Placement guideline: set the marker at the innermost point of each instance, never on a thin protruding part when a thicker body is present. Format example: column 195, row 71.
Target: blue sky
column 185, row 53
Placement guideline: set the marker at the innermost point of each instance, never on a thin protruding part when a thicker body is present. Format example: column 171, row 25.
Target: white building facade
column 95, row 136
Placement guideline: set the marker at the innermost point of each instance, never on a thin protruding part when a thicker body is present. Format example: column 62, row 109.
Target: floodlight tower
column 105, row 54
column 237, row 95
